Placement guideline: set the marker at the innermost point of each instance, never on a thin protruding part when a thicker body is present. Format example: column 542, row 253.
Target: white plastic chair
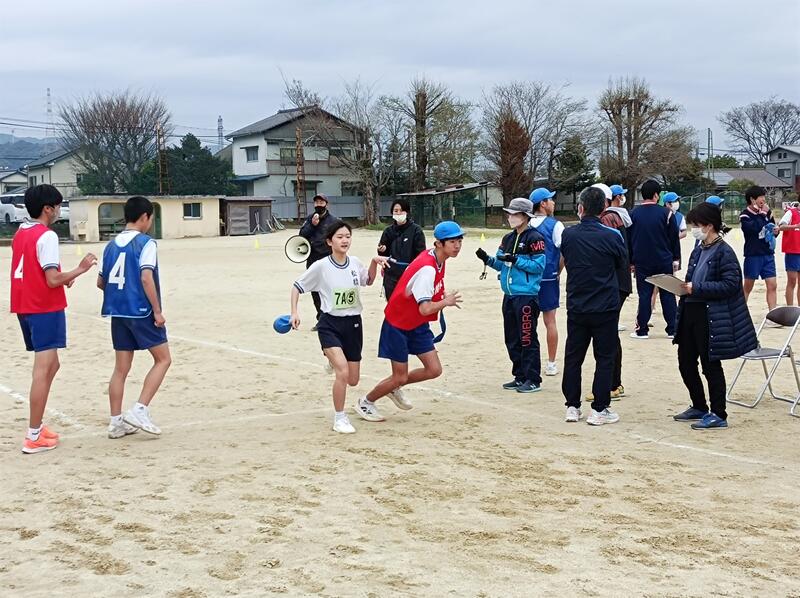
column 788, row 317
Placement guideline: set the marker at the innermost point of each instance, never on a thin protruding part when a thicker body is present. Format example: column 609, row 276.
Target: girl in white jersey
column 337, row 279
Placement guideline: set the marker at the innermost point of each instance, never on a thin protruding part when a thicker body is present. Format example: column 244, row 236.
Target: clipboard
column 668, row 282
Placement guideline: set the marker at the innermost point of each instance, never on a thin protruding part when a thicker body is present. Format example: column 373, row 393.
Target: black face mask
column 320, row 210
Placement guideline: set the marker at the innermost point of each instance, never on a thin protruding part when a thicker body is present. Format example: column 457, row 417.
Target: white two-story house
column 265, row 162
column 783, row 161
column 60, row 169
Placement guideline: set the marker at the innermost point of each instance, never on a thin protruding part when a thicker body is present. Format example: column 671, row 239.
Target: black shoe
column 690, row 414
column 512, row 385
column 528, row 386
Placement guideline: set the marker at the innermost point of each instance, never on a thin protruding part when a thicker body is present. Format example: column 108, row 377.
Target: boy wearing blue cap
column 520, row 261
column 551, row 229
column 417, row 300
column 759, row 231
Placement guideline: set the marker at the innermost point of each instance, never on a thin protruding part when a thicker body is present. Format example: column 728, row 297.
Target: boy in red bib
column 38, row 299
column 417, row 300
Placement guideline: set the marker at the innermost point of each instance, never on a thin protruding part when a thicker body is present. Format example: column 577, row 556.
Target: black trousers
column 693, row 344
column 669, row 305
column 599, row 329
column 520, row 315
column 616, row 375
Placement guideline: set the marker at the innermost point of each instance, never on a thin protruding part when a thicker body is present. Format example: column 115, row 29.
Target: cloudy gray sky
column 225, row 57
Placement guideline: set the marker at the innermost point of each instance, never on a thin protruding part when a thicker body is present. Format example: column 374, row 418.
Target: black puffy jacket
column 730, row 328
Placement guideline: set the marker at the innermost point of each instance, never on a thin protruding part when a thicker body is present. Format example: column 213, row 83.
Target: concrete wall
column 84, row 221
column 343, row 207
column 241, row 166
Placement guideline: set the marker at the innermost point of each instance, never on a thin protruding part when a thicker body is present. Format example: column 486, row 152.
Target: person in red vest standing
column 38, row 299
column 789, row 225
column 417, row 300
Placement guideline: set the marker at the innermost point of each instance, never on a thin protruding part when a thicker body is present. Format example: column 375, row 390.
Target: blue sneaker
column 513, row 385
column 709, row 421
column 528, row 386
column 690, row 414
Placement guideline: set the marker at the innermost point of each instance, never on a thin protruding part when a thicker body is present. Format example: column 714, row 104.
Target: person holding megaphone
column 313, row 230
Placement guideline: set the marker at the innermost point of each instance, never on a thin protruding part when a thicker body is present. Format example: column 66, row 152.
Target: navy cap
column 282, row 324
column 447, row 230
column 540, row 194
column 618, row 190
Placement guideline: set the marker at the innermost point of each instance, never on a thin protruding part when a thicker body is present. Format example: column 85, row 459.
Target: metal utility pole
column 51, row 128
column 163, row 173
column 710, row 156
column 219, row 133
column 300, row 187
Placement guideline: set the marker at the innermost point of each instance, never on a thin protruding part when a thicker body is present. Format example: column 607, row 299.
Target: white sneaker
column 621, row 328
column 367, row 410
column 140, row 418
column 771, row 324
column 605, row 416
column 399, row 399
column 551, row 369
column 573, row 414
column 343, row 425
column 121, row 429
column 328, row 367
column 639, row 336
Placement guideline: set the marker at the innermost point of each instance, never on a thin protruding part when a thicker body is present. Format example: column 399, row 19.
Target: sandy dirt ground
column 475, row 492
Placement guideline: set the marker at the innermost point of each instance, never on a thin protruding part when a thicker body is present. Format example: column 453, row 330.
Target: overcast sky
column 225, row 57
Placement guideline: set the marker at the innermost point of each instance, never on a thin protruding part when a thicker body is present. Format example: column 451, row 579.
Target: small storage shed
column 247, row 215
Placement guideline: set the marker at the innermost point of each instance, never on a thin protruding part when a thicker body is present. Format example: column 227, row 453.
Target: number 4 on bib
column 18, row 271
column 117, row 274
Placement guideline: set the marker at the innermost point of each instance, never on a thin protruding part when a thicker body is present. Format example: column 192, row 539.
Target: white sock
column 116, row 420
column 337, row 415
column 140, row 407
column 551, row 363
column 33, row 433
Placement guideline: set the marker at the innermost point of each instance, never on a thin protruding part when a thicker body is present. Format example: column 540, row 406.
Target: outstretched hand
column 452, row 299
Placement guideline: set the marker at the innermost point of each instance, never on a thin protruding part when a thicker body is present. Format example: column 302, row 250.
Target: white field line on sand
column 59, row 415
column 443, row 393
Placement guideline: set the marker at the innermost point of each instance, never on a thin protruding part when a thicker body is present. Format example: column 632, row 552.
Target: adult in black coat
column 401, row 242
column 313, row 231
column 713, row 322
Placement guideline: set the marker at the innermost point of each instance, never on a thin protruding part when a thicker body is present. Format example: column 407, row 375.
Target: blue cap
column 539, row 194
column 282, row 324
column 715, row 200
column 669, row 197
column 618, row 190
column 447, row 230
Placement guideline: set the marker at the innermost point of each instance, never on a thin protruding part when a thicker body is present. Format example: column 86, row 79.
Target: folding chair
column 788, row 317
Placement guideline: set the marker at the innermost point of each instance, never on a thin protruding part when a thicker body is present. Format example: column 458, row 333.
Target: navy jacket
column 654, row 239
column 592, row 255
column 403, row 243
column 730, row 329
column 315, row 235
column 752, row 225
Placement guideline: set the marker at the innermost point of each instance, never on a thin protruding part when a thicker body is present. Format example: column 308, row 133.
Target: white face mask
column 699, row 234
column 515, row 220
column 674, row 206
column 400, row 218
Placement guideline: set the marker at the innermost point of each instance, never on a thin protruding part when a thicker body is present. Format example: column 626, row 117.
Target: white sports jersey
column 337, row 285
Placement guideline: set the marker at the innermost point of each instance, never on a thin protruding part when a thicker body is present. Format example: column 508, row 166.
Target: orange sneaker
column 39, row 446
column 48, row 433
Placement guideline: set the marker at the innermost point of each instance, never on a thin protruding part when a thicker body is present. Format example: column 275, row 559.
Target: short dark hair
column 593, row 201
column 705, row 213
column 403, row 203
column 136, row 207
column 39, row 196
column 335, row 226
column 650, row 188
column 754, row 192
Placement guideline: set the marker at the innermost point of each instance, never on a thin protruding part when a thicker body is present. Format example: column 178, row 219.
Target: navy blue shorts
column 759, row 266
column 345, row 332
column 43, row 332
column 549, row 292
column 792, row 262
column 397, row 345
column 136, row 334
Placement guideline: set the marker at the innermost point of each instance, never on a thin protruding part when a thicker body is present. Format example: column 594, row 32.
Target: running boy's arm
column 434, row 307
column 59, row 279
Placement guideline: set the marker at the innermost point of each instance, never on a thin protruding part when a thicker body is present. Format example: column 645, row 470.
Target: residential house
column 783, row 162
column 265, row 162
column 774, row 186
column 60, row 169
column 11, row 179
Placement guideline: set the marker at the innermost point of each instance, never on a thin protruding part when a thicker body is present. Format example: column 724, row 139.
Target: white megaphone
column 297, row 249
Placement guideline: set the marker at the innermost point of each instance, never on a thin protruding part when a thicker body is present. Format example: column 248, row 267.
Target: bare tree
column 424, row 99
column 360, row 121
column 115, row 134
column 760, row 126
column 636, row 124
column 453, row 141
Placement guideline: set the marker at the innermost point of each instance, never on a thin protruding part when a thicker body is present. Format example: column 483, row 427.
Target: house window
column 351, row 189
column 79, row 178
column 192, row 211
column 288, row 156
column 336, row 155
column 32, row 181
column 252, row 153
column 784, row 173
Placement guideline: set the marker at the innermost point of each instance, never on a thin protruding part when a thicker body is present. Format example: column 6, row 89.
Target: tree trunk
column 421, row 140
column 370, row 209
